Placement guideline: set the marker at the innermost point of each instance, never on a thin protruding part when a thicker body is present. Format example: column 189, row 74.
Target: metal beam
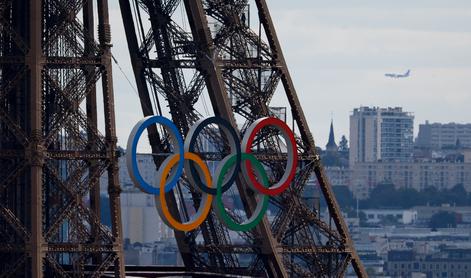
column 334, row 208
column 35, row 151
column 208, row 62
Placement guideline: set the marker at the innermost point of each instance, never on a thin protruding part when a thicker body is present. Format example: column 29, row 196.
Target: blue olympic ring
column 132, row 146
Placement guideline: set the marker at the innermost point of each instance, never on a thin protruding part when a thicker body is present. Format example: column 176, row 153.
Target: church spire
column 331, row 145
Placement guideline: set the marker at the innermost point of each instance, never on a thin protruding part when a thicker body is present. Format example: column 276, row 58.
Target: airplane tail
column 408, row 72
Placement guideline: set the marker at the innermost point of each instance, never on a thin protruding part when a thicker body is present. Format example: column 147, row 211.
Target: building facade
column 438, row 135
column 380, row 134
column 141, row 221
column 338, row 176
column 402, row 216
column 448, row 262
column 425, row 213
column 418, row 175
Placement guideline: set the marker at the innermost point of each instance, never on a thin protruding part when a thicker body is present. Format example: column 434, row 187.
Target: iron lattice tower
column 52, row 151
column 219, row 56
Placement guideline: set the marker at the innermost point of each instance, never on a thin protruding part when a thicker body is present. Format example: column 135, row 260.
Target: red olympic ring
column 292, row 161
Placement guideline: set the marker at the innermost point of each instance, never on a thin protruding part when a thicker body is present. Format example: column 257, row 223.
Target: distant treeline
column 387, row 196
column 382, row 196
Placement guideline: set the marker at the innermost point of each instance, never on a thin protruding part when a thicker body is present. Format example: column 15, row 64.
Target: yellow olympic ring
column 206, row 201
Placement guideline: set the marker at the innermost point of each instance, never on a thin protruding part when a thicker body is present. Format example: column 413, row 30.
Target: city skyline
column 338, row 59
column 220, row 188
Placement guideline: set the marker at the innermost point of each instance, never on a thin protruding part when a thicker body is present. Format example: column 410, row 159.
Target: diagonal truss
column 52, row 152
column 210, row 50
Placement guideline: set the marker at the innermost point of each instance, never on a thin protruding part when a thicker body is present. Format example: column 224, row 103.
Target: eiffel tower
column 184, row 52
column 52, row 149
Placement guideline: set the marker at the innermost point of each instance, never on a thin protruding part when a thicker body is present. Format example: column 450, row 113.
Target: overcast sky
column 339, row 51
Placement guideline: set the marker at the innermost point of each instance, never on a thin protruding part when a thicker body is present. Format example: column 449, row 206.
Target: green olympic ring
column 261, row 207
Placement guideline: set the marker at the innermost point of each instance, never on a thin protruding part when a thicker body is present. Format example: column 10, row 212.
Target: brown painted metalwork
column 210, row 50
column 52, row 151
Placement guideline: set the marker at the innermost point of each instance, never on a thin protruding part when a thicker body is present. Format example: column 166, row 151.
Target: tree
column 344, row 196
column 458, row 195
column 343, row 144
column 443, row 219
column 408, row 197
column 382, row 196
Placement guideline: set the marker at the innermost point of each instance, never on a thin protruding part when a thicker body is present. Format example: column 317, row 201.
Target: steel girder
column 52, row 152
column 221, row 57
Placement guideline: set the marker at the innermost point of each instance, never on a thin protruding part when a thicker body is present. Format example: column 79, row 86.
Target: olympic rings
column 261, row 207
column 291, row 164
column 161, row 203
column 131, row 162
column 183, row 158
column 234, row 143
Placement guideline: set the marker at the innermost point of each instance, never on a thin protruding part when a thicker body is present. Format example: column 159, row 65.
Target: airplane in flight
column 398, row 75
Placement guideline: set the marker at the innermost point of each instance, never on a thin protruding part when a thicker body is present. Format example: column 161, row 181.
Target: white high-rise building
column 384, row 134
